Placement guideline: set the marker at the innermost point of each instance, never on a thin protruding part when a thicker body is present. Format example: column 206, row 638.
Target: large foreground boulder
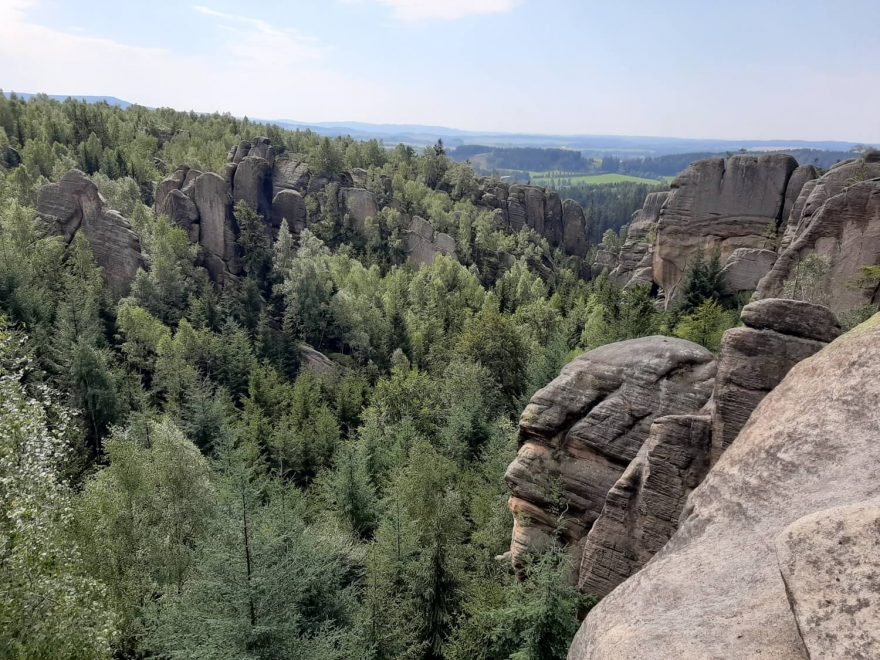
column 719, row 589
column 580, row 433
column 74, row 205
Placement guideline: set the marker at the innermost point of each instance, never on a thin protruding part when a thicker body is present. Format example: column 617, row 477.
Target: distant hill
column 592, row 146
column 109, row 100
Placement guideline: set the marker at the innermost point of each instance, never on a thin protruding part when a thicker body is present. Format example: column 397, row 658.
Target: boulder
column 845, row 230
column 745, row 267
column 315, row 361
column 359, row 204
column 792, row 317
column 642, row 508
column 252, row 184
column 74, row 205
column 715, row 590
column 574, row 229
column 719, row 204
column 579, row 433
column 359, row 177
column 290, row 205
column 516, row 214
column 830, row 563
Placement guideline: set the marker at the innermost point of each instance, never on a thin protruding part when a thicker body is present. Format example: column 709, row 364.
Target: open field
column 574, row 179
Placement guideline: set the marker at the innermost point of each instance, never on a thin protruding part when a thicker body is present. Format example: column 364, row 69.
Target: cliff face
column 276, row 186
column 764, row 216
column 776, row 555
column 579, row 434
column 74, row 205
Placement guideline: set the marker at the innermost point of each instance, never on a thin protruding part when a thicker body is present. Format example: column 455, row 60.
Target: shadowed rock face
column 580, row 432
column 74, row 205
column 719, row 204
column 635, row 263
column 716, row 589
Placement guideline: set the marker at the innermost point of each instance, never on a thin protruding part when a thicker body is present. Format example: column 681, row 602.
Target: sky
column 743, row 69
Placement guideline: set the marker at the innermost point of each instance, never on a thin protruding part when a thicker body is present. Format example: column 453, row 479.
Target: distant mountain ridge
column 422, row 135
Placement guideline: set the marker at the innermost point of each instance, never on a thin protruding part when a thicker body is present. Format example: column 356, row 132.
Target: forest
column 180, row 479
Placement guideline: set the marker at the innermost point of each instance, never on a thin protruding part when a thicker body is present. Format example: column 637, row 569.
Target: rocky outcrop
column 799, row 178
column 289, row 205
column 719, row 204
column 718, row 589
column 840, row 221
column 422, row 244
column 279, row 187
column 636, row 259
column 754, row 359
column 74, row 205
column 580, row 432
column 252, row 184
column 745, row 267
column 358, row 204
column 830, row 563
column 642, row 508
column 574, row 229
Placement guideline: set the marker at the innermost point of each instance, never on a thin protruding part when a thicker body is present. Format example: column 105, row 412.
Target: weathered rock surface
column 252, row 184
column 359, row 204
column 845, row 229
column 642, row 509
column 423, row 244
column 754, row 359
column 217, row 228
column 719, row 204
column 830, row 562
column 315, row 361
column 715, row 590
column 637, row 251
column 745, row 267
column 182, row 210
column 290, row 175
column 792, row 317
column 796, row 183
column 574, row 229
column 74, row 205
column 289, row 205
column 580, row 432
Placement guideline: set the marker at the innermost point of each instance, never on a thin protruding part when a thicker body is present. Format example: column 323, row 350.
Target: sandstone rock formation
column 358, row 204
column 580, row 433
column 74, row 205
column 745, row 267
column 718, row 589
column 636, row 259
column 841, row 223
column 754, row 359
column 830, row 562
column 279, row 187
column 719, row 204
column 423, row 244
column 642, row 508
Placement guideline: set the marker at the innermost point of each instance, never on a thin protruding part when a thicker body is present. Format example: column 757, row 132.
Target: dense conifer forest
column 182, row 477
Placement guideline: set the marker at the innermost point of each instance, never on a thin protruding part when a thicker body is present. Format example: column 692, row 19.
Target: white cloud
column 256, row 69
column 445, row 10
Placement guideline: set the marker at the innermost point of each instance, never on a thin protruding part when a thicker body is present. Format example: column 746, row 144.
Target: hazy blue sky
column 692, row 68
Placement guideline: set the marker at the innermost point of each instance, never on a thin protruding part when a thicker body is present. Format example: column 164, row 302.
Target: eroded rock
column 74, row 205
column 580, row 432
column 715, row 589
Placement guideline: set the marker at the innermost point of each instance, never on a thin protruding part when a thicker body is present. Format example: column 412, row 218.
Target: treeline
column 523, row 158
column 609, row 205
